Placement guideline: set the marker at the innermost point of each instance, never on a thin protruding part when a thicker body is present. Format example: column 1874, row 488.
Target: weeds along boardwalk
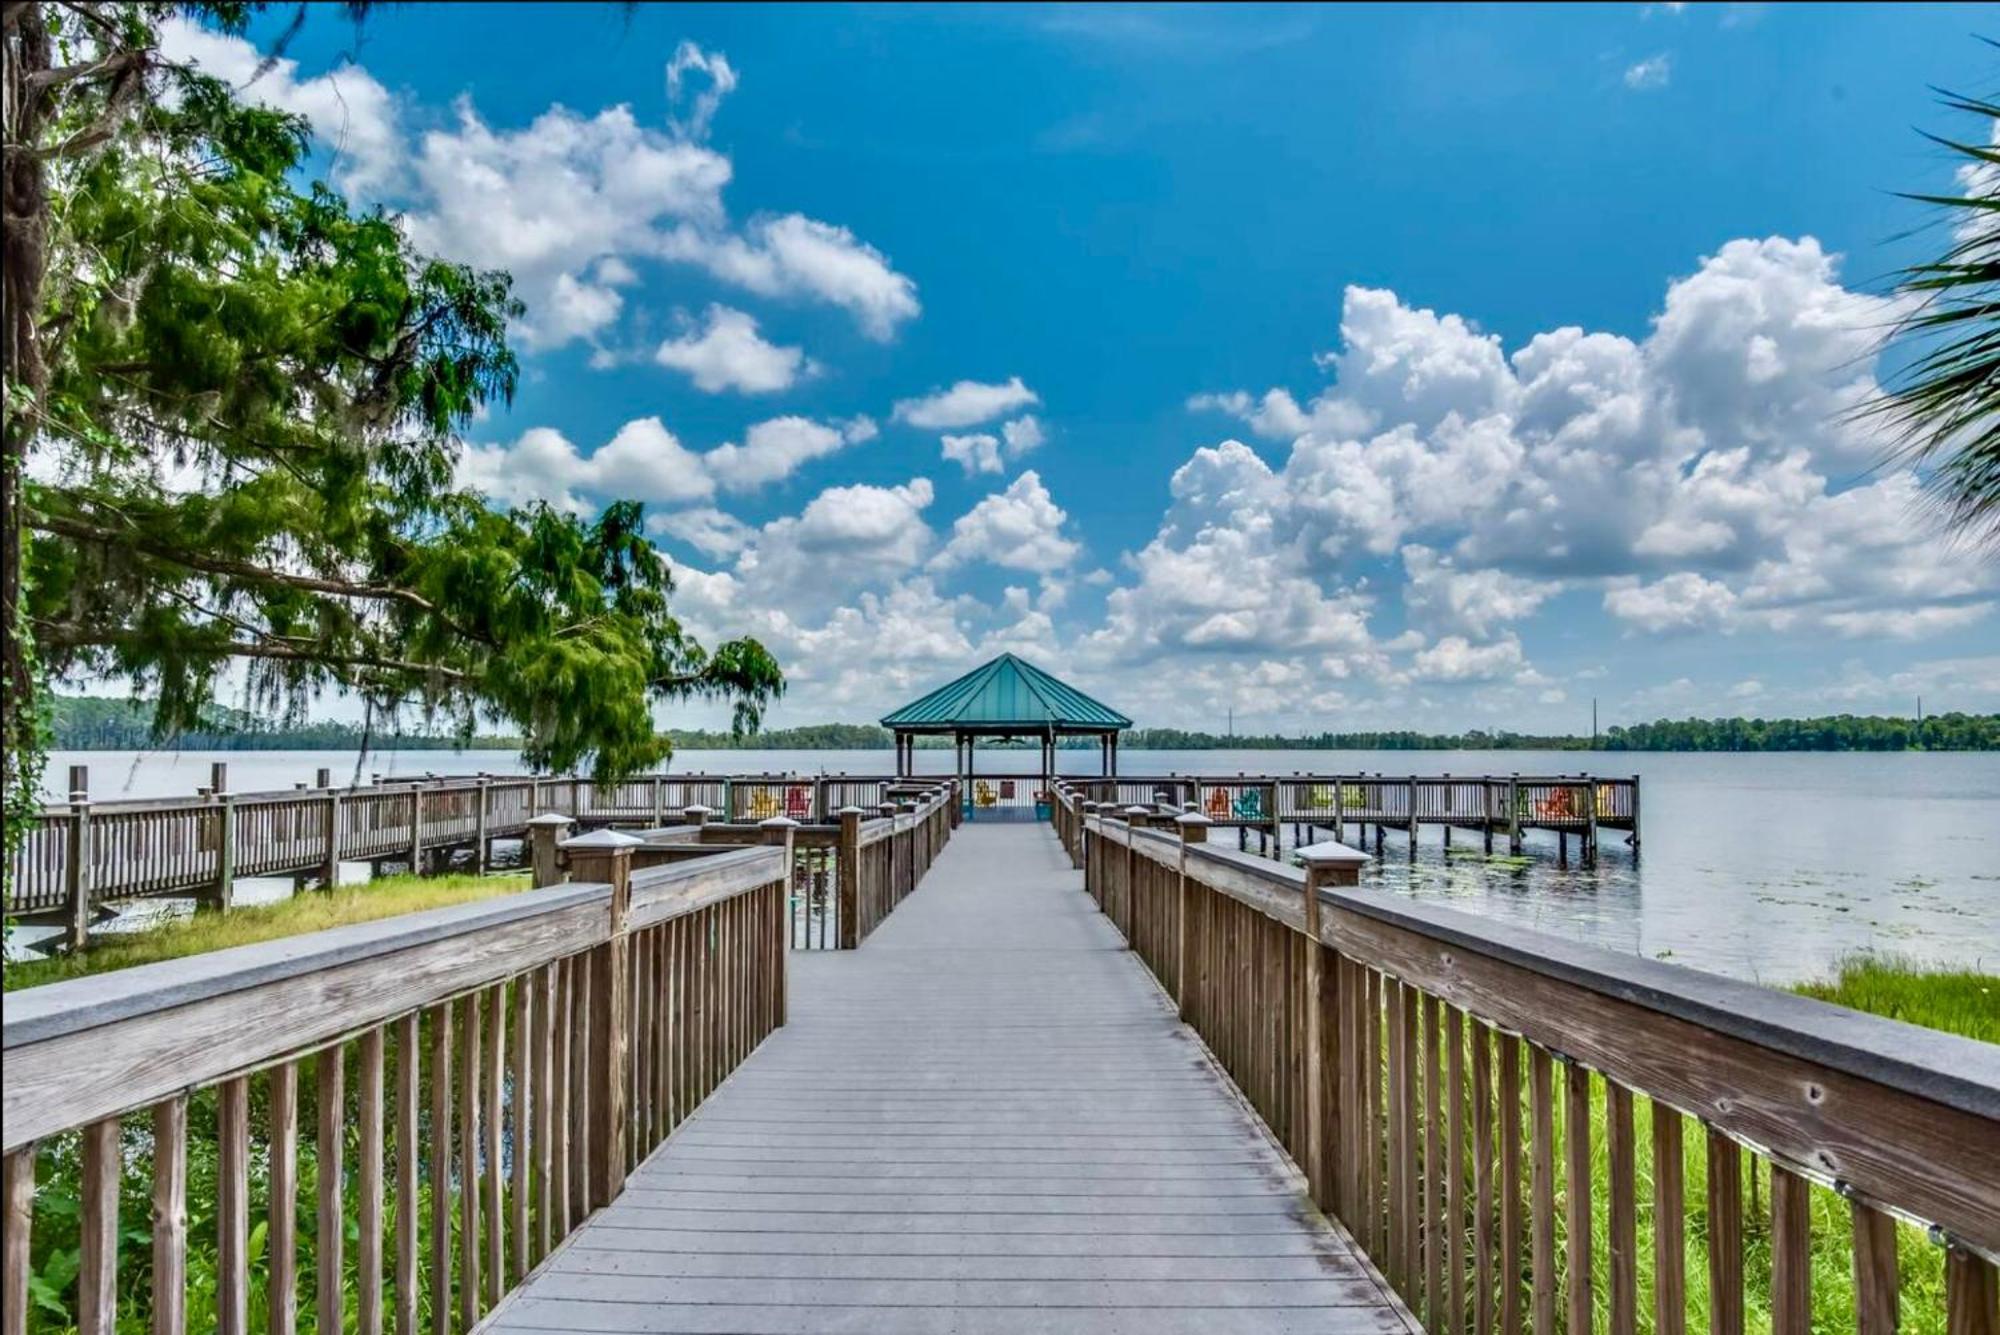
column 987, row 1119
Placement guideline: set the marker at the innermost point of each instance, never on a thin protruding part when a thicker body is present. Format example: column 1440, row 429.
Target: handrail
column 1417, row 1007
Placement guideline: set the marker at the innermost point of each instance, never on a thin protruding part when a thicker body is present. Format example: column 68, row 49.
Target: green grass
column 1958, row 1001
column 384, row 897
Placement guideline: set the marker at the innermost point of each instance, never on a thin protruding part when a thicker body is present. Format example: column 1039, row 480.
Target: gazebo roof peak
column 1008, row 692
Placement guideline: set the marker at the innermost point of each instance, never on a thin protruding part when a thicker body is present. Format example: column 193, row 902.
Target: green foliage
column 1945, row 405
column 1958, row 1001
column 243, row 414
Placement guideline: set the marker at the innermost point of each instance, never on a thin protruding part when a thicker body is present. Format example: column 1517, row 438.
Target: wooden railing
column 1674, row 1121
column 847, row 876
column 497, row 1068
column 84, row 854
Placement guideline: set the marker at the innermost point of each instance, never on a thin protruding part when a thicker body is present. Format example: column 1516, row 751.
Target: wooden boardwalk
column 988, row 1119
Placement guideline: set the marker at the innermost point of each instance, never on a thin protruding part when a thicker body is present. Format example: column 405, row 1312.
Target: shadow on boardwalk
column 988, row 1119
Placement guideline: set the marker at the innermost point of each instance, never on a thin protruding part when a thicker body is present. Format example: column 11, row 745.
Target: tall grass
column 384, row 897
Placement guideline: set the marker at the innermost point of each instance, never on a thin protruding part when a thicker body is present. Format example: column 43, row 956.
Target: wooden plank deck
column 987, row 1119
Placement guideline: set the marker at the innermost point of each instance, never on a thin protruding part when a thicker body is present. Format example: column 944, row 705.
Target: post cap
column 603, row 840
column 1192, row 818
column 702, row 807
column 851, row 810
column 551, row 820
column 1137, row 809
column 778, row 823
column 1331, row 854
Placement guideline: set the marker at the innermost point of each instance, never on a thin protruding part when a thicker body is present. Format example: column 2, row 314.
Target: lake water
column 1762, row 866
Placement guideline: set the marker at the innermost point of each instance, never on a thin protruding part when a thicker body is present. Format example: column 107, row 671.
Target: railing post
column 1590, row 820
column 544, row 834
column 780, row 831
column 224, row 892
column 329, row 858
column 606, row 856
column 482, row 796
column 80, row 856
column 1326, row 864
column 847, row 868
column 417, row 828
column 695, row 814
column 1514, row 815
column 659, row 801
column 1194, row 830
column 1635, row 816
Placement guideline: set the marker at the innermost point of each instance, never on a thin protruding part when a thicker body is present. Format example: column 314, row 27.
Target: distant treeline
column 94, row 723
column 1841, row 732
column 99, row 723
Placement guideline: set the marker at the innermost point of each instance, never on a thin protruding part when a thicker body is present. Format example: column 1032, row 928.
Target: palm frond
column 1943, row 406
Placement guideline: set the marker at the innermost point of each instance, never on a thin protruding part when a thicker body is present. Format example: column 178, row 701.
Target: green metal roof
column 1008, row 692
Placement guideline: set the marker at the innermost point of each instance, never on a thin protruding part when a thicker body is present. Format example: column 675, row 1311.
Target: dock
column 1032, row 1142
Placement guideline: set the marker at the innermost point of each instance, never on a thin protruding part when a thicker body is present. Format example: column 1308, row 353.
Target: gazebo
column 1006, row 698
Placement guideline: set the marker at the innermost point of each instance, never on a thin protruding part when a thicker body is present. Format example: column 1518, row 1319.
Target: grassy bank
column 384, row 897
column 1958, row 1001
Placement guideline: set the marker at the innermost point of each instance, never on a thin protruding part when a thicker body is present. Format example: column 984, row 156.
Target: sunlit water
column 1761, row 866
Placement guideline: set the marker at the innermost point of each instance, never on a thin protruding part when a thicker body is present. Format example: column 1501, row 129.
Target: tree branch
column 68, row 635
column 217, row 565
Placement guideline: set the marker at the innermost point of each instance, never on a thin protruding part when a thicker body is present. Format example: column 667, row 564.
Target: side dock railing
column 1526, row 1134
column 85, row 854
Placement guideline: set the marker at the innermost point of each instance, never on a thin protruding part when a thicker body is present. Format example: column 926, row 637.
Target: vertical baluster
column 1511, row 1222
column 1542, row 1206
column 368, row 1252
column 439, row 1018
column 1407, row 1205
column 1483, row 1179
column 581, row 1096
column 1621, row 1152
column 1435, row 1228
column 232, row 1216
column 468, row 1165
column 1725, row 1236
column 1374, row 1067
column 97, row 1266
column 1669, row 1224
column 496, row 1181
column 1791, row 1260
column 1971, row 1292
column 563, row 1115
column 1876, row 1277
column 1576, row 1195
column 519, row 1104
column 543, row 1133
column 328, row 1241
column 170, row 1215
column 17, row 1195
column 408, row 1067
column 1454, row 1212
column 281, row 1236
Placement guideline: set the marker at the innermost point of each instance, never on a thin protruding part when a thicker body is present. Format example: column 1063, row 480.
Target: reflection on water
column 1761, row 866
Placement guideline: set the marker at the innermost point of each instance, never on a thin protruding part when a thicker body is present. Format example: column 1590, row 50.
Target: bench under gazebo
column 1007, row 700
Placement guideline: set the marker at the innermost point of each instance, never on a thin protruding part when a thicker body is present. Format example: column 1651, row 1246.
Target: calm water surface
column 1761, row 866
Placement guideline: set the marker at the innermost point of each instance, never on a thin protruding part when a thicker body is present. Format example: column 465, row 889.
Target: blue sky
column 1564, row 308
